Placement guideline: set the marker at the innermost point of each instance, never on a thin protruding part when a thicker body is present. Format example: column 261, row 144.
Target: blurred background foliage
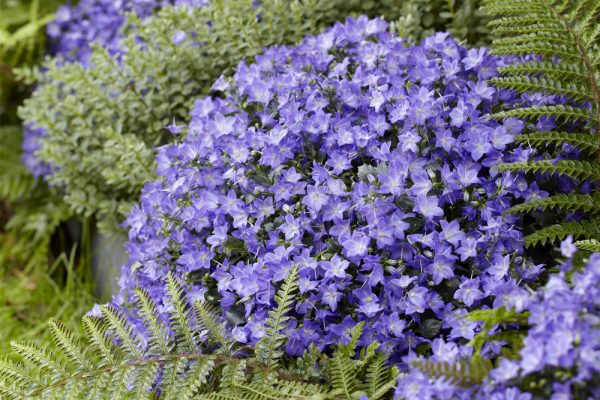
column 43, row 261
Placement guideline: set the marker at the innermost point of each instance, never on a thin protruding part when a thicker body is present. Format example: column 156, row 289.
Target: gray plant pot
column 108, row 256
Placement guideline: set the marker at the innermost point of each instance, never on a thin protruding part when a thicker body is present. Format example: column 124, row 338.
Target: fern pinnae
column 560, row 111
column 180, row 315
column 343, row 374
column 67, row 342
column 376, row 375
column 232, row 374
column 564, row 202
column 583, row 141
column 267, row 348
column 549, row 234
column 39, row 357
column 123, row 330
column 576, row 169
column 209, row 318
column 158, row 332
column 145, row 377
column 10, row 393
column 461, row 373
column 14, row 375
column 544, row 85
column 589, row 245
column 96, row 333
column 196, row 375
column 566, row 71
column 171, row 374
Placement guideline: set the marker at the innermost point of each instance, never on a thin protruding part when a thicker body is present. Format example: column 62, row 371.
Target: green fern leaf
column 564, row 71
column 69, row 344
column 96, row 334
column 561, row 112
column 552, row 233
column 583, row 141
column 377, row 375
column 209, row 317
column 591, row 245
column 40, row 358
column 157, row 330
column 461, row 373
column 575, row 169
column 564, row 202
column 343, row 374
column 267, row 349
column 123, row 330
column 342, row 368
column 546, row 85
column 181, row 316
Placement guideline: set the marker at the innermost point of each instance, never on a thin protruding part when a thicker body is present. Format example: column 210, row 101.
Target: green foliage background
column 40, row 272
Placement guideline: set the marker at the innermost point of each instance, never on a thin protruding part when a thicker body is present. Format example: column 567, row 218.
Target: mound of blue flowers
column 367, row 162
column 562, row 343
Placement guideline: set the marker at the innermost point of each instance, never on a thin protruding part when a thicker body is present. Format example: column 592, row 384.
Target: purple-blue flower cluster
column 77, row 27
column 365, row 161
column 560, row 357
column 31, row 144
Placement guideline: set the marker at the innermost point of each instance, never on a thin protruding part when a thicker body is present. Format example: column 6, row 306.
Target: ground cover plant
column 361, row 211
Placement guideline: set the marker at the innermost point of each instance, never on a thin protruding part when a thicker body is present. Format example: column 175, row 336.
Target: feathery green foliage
column 560, row 40
column 112, row 360
column 460, row 373
column 463, row 19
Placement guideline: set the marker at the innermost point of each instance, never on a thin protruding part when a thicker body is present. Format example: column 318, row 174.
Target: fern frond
column 157, row 330
column 566, row 203
column 68, row 343
column 560, row 112
column 547, row 85
column 547, row 49
column 123, row 330
column 343, row 374
column 96, row 334
column 209, row 318
column 377, row 375
column 40, row 357
column 583, row 141
column 552, row 233
column 582, row 170
column 526, row 22
column 196, row 376
column 591, row 245
column 490, row 319
column 461, row 373
column 119, row 365
column 342, row 368
column 181, row 314
column 278, row 390
column 565, row 71
column 267, row 348
column 232, row 374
